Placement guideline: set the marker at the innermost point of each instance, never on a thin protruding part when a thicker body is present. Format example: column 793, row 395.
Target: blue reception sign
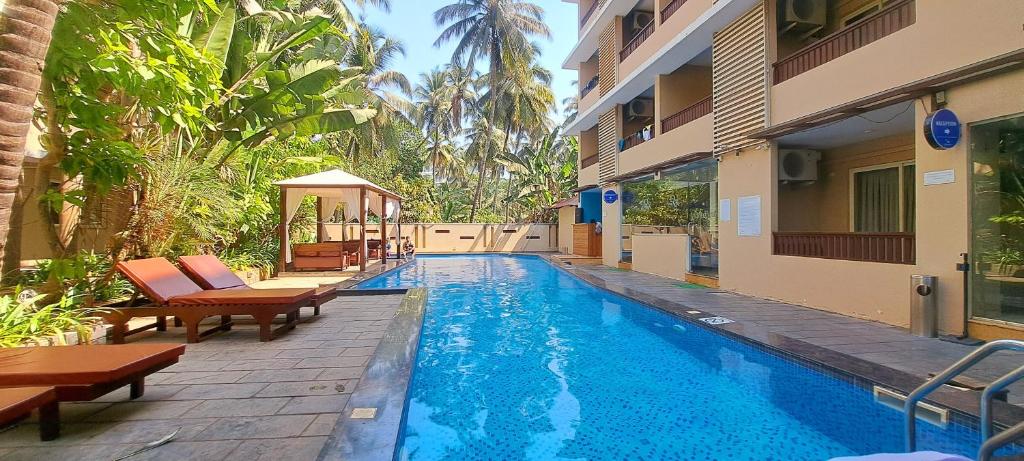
column 942, row 129
column 610, row 196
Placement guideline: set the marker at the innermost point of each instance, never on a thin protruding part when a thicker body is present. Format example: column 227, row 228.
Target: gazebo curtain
column 292, row 200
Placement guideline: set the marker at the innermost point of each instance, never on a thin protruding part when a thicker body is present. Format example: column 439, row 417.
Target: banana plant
column 274, row 86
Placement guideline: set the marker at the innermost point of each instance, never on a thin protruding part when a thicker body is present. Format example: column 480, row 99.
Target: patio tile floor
column 874, row 342
column 232, row 397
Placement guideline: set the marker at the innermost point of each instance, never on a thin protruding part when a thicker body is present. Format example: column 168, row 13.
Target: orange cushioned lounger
column 39, row 377
column 175, row 295
column 210, row 273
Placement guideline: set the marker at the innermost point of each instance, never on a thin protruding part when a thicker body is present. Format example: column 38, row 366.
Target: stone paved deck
column 873, row 342
column 232, row 397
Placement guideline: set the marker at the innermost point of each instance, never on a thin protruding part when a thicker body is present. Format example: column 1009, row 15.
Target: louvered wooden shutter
column 607, row 145
column 607, row 59
column 740, row 73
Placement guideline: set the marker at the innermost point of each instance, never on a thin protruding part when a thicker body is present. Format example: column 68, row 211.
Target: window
column 861, row 13
column 883, row 198
column 997, row 227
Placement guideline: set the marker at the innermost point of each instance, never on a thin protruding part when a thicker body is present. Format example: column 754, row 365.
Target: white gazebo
column 333, row 188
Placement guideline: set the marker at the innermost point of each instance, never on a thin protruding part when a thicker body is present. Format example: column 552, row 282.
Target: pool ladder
column 990, row 443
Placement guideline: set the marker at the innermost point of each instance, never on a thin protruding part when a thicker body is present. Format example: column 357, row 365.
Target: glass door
column 997, row 219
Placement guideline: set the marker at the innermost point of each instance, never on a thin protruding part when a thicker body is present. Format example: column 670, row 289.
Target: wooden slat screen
column 892, row 248
column 607, row 60
column 740, row 80
column 607, row 144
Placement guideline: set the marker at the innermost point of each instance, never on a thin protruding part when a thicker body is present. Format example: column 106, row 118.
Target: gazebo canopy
column 333, row 180
column 334, row 187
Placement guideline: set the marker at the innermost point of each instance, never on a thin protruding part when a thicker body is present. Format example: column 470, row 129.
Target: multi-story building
column 778, row 148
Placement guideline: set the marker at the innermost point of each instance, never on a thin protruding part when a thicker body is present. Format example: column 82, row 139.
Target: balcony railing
column 635, row 139
column 687, row 115
column 892, row 18
column 638, row 40
column 588, row 161
column 590, row 86
column 589, row 13
column 895, row 248
column 670, row 9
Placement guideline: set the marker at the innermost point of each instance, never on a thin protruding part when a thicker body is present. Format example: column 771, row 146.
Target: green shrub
column 23, row 322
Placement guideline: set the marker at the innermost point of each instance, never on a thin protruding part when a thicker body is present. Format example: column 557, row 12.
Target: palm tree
column 498, row 30
column 439, row 99
column 374, row 52
column 25, row 31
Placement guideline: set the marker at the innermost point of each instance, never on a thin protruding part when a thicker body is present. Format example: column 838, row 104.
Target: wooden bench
column 17, row 403
column 39, row 377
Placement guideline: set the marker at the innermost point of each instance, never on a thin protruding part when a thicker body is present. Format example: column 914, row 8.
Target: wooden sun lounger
column 175, row 295
column 211, row 274
column 74, row 373
column 17, row 403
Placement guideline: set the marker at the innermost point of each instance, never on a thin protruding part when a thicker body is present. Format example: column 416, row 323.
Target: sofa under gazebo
column 332, row 188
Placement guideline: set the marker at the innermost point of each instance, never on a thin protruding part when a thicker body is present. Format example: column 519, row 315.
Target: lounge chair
column 211, row 274
column 39, row 377
column 17, row 403
column 175, row 295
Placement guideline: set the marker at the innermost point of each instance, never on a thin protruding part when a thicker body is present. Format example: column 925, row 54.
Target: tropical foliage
column 169, row 122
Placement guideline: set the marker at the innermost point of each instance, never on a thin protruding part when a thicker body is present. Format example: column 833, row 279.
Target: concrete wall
column 566, row 219
column 947, row 34
column 679, row 90
column 661, row 254
column 461, row 238
column 869, row 290
column 824, row 205
column 611, row 226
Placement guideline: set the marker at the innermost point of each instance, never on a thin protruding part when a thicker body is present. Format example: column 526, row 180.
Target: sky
column 412, row 22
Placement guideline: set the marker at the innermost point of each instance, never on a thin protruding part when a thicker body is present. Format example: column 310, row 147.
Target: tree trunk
column 12, row 248
column 492, row 113
column 25, row 31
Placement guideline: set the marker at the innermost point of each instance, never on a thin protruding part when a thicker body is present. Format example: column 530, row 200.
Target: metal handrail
column 954, row 370
column 1003, row 438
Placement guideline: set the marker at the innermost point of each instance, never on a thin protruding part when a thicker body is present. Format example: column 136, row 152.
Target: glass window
column 683, row 200
column 883, row 199
column 997, row 219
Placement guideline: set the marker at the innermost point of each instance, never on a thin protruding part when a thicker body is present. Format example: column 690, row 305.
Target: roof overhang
column 587, row 44
column 678, row 161
column 584, row 188
column 910, row 91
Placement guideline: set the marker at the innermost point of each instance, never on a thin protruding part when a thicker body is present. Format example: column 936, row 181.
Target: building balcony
column 669, row 9
column 635, row 139
column 588, row 175
column 885, row 22
column 894, row 248
column 687, row 115
column 892, row 52
column 637, row 40
column 686, row 139
column 589, row 13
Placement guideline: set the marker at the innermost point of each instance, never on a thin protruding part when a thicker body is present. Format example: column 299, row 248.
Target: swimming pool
column 519, row 360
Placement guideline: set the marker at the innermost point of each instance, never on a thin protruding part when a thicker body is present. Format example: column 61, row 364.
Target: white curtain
column 292, row 201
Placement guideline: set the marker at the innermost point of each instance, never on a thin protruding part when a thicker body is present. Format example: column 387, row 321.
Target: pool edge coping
column 964, row 404
column 384, row 385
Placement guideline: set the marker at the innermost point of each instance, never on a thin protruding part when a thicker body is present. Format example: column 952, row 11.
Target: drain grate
column 716, row 320
column 363, row 413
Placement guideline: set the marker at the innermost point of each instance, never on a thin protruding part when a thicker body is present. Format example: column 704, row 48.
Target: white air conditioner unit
column 640, row 108
column 798, row 164
column 641, row 19
column 803, row 13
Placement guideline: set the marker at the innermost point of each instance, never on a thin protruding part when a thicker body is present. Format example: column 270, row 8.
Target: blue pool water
column 519, row 360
